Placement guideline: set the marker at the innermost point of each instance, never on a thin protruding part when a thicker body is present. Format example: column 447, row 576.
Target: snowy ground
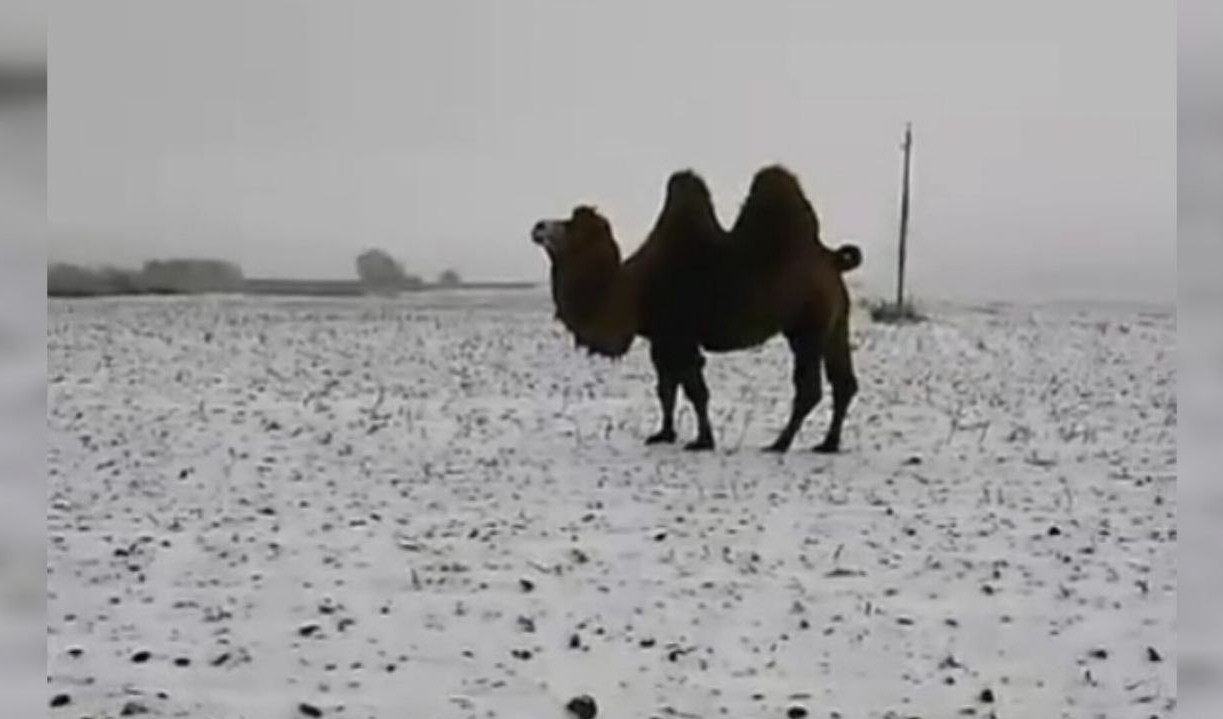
column 435, row 507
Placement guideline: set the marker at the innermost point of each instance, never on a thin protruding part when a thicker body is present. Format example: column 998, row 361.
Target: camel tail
column 848, row 257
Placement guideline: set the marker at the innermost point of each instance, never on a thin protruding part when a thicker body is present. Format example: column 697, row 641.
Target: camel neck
column 597, row 304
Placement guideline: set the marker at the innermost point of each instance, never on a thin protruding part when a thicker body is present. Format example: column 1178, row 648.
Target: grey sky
column 290, row 135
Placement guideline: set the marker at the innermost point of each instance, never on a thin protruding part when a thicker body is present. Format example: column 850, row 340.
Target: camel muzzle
column 543, row 233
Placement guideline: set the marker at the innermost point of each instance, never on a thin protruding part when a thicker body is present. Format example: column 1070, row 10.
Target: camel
column 694, row 286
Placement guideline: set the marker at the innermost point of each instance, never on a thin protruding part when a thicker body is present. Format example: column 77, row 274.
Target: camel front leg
column 693, row 380
column 667, row 389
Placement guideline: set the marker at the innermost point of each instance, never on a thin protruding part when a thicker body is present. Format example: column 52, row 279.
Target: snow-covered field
column 435, row 507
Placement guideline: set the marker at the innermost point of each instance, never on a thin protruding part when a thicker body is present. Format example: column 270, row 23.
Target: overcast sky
column 291, row 135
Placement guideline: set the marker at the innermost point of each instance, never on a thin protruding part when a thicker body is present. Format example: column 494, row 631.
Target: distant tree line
column 377, row 273
column 174, row 276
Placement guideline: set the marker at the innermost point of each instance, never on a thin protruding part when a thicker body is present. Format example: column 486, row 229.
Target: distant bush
column 65, row 280
column 886, row 312
column 190, row 276
column 68, row 280
column 177, row 276
column 449, row 278
column 380, row 272
column 117, row 281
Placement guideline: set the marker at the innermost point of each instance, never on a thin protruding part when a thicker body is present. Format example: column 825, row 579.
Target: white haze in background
column 290, row 136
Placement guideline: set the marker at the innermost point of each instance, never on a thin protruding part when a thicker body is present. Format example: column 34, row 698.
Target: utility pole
column 904, row 219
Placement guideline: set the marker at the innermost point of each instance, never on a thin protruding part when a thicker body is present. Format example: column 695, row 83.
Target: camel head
column 585, row 269
column 584, row 237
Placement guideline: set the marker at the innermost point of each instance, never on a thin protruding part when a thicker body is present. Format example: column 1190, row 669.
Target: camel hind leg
column 692, row 378
column 840, row 367
column 805, row 344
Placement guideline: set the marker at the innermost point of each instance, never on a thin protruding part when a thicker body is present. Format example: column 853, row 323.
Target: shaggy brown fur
column 695, row 286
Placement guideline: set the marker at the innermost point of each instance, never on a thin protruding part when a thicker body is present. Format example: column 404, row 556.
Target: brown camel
column 695, row 286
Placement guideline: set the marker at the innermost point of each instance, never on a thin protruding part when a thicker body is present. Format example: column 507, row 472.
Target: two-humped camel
column 695, row 286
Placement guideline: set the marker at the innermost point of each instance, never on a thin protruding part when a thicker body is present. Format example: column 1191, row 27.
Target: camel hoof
column 699, row 445
column 663, row 437
column 776, row 448
column 826, row 448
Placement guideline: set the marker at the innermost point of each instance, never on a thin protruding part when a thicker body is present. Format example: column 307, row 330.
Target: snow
column 436, row 507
